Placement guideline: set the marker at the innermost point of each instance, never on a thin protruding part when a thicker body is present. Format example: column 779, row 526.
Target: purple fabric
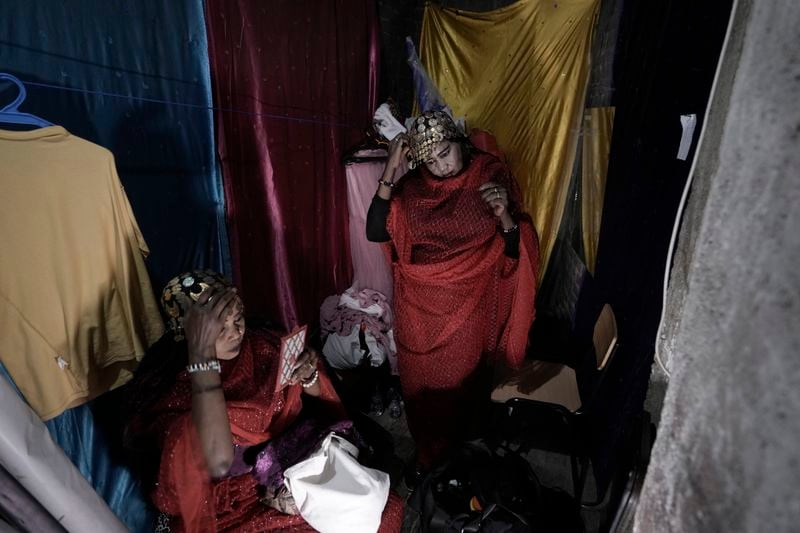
column 370, row 268
column 338, row 319
column 288, row 449
column 22, row 509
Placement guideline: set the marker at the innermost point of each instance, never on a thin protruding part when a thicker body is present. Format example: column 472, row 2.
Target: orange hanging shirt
column 77, row 311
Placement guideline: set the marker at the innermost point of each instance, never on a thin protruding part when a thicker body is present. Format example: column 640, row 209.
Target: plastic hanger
column 10, row 114
column 372, row 141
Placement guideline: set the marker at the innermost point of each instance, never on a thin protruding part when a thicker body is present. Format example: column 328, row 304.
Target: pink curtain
column 370, row 268
column 301, row 76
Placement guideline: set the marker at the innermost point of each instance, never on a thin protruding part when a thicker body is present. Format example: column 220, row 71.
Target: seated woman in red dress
column 208, row 412
column 464, row 259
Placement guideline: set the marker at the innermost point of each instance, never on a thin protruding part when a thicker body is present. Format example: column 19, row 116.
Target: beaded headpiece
column 184, row 289
column 427, row 131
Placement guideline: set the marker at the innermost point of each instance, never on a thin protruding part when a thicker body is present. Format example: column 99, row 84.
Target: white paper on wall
column 688, row 123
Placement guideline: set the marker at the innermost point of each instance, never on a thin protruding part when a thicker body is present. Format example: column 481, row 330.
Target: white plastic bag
column 334, row 492
column 345, row 352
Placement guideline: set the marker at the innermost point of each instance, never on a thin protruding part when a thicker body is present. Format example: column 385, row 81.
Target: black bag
column 479, row 489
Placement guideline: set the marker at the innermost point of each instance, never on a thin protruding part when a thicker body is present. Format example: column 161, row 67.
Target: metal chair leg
column 576, row 477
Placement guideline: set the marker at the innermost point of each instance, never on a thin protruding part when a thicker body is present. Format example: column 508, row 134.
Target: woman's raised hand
column 205, row 320
column 496, row 196
column 398, row 148
column 305, row 367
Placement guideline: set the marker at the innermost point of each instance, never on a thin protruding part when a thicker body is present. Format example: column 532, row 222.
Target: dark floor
column 552, row 470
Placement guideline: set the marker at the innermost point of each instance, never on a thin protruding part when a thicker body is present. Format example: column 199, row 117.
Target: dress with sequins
column 460, row 302
column 257, row 413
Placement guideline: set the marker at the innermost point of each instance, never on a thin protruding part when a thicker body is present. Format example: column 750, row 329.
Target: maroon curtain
column 296, row 83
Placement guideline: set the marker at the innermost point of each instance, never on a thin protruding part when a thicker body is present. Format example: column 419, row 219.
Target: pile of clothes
column 357, row 332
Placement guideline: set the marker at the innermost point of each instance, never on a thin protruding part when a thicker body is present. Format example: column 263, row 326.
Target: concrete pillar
column 727, row 452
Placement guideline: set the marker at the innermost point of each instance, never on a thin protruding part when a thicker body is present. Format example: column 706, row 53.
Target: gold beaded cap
column 184, row 289
column 427, row 131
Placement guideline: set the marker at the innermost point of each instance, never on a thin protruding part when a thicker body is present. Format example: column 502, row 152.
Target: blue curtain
column 104, row 71
column 90, row 449
column 152, row 51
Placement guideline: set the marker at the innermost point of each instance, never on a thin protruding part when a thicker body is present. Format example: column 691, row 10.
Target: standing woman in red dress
column 464, row 259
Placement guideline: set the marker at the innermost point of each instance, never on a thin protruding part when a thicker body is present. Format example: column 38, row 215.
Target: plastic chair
column 545, row 404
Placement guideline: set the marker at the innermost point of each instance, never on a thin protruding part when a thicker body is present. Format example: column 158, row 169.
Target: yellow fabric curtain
column 519, row 72
column 598, row 124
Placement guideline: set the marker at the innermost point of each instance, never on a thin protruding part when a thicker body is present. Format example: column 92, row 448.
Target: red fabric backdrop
column 302, row 77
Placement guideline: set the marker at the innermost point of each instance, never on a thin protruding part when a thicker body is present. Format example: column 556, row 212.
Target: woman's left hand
column 496, row 196
column 305, row 367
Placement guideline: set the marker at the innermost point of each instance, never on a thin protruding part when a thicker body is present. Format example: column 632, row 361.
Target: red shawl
column 458, row 297
column 256, row 412
column 450, row 267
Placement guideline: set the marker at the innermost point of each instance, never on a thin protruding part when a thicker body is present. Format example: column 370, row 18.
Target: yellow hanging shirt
column 77, row 311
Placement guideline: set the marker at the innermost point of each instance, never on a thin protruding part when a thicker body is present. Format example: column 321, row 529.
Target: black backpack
column 479, row 489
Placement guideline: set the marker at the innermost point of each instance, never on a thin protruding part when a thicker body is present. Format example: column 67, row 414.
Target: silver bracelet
column 389, row 184
column 512, row 229
column 205, row 366
column 310, row 383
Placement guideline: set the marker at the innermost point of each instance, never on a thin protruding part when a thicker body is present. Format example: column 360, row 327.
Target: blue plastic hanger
column 10, row 114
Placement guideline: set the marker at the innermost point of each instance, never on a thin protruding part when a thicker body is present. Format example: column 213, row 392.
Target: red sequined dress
column 256, row 412
column 460, row 302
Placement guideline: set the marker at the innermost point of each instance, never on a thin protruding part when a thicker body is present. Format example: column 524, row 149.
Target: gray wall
column 727, row 457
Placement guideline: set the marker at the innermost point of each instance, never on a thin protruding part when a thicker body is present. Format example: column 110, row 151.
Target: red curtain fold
column 301, row 76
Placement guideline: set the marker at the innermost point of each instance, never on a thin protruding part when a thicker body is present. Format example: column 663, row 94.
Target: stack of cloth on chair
column 357, row 332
